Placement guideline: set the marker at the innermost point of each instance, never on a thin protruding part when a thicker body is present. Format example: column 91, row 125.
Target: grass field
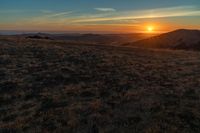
column 51, row 86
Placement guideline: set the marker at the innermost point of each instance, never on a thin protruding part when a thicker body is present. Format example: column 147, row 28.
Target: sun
column 150, row 28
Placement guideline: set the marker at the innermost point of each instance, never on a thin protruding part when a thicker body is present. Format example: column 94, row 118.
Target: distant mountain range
column 178, row 39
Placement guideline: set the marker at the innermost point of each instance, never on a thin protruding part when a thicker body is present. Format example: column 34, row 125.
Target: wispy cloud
column 47, row 18
column 58, row 14
column 145, row 14
column 105, row 9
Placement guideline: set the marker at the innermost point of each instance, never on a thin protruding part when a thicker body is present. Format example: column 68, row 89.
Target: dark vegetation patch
column 38, row 37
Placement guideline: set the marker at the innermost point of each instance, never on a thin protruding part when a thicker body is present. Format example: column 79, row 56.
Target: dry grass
column 50, row 86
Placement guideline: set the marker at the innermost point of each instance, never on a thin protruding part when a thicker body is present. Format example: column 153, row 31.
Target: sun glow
column 150, row 28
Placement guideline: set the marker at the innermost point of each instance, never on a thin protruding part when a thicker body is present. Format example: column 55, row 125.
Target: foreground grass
column 56, row 87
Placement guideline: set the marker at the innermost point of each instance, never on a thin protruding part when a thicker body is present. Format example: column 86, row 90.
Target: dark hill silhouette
column 178, row 39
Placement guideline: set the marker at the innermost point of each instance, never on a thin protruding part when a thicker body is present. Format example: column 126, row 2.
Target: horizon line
column 18, row 32
column 13, row 32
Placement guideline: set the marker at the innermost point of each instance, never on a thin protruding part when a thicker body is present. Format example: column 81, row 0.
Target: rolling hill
column 178, row 39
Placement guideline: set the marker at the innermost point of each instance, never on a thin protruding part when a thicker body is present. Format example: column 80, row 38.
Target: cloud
column 59, row 14
column 167, row 12
column 48, row 18
column 105, row 9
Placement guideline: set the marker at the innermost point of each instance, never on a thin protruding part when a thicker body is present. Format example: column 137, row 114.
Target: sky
column 124, row 16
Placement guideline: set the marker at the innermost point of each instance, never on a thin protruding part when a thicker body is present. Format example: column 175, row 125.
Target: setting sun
column 150, row 28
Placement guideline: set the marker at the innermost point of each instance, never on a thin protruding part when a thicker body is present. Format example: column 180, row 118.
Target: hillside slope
column 179, row 39
column 49, row 86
